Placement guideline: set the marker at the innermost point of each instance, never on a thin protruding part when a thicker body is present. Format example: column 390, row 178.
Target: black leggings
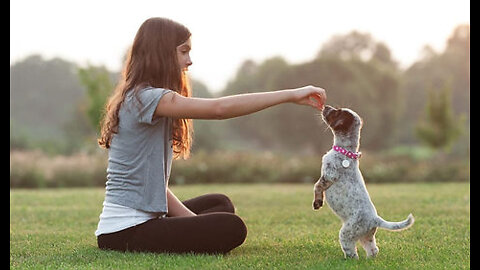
column 215, row 229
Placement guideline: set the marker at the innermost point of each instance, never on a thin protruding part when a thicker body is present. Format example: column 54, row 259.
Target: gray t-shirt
column 140, row 154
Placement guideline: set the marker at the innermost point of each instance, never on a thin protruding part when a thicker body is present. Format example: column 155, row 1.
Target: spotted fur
column 345, row 190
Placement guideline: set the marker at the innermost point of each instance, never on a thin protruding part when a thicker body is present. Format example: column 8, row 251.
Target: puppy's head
column 342, row 121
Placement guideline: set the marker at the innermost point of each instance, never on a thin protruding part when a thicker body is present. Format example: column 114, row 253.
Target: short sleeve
column 149, row 100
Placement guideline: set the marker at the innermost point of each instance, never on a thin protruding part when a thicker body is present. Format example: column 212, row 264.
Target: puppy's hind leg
column 369, row 244
column 319, row 192
column 347, row 241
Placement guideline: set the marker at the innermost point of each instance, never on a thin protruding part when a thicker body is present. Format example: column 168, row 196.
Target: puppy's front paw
column 317, row 204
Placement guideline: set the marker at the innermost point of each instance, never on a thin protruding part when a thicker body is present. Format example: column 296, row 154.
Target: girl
column 147, row 123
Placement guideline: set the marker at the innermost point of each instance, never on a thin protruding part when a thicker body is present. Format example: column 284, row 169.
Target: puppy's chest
column 347, row 183
column 339, row 167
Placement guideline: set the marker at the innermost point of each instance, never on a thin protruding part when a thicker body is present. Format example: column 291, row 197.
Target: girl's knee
column 230, row 227
column 225, row 203
column 237, row 230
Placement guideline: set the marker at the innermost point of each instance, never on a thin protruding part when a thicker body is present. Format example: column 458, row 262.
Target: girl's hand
column 311, row 96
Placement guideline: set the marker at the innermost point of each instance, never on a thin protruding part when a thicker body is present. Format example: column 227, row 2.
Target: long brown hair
column 152, row 61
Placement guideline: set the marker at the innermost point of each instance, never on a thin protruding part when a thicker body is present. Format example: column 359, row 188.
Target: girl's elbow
column 220, row 112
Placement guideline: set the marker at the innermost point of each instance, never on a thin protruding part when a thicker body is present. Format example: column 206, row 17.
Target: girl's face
column 183, row 54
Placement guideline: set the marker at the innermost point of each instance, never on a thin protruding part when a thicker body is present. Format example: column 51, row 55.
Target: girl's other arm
column 175, row 207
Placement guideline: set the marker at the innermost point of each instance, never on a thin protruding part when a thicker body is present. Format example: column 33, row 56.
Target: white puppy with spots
column 343, row 186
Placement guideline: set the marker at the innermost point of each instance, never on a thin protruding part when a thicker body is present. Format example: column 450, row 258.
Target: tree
column 99, row 85
column 43, row 97
column 356, row 45
column 433, row 71
column 440, row 127
column 351, row 45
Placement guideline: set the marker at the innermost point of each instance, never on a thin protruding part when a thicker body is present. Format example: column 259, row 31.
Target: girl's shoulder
column 146, row 94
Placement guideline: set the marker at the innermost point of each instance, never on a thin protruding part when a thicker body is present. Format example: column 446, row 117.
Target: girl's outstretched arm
column 177, row 106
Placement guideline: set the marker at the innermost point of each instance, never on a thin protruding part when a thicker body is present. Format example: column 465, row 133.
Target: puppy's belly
column 344, row 200
column 349, row 202
column 336, row 197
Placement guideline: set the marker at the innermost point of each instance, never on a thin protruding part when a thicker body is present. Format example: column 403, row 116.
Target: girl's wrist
column 291, row 95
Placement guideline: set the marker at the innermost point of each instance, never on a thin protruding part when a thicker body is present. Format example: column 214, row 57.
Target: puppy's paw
column 317, row 204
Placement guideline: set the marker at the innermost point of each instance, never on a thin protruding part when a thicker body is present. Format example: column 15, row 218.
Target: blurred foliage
column 99, row 85
column 268, row 167
column 440, row 126
column 34, row 169
column 43, row 98
column 435, row 71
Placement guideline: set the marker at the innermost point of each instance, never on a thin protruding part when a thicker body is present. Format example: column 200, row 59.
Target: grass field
column 54, row 229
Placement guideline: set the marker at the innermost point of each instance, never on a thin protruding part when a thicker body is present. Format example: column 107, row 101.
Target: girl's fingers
column 316, row 101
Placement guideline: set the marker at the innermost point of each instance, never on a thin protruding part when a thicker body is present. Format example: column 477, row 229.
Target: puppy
column 342, row 183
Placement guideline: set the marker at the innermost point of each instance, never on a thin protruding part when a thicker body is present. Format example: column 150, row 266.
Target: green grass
column 54, row 229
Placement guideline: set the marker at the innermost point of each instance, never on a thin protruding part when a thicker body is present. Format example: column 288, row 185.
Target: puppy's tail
column 395, row 226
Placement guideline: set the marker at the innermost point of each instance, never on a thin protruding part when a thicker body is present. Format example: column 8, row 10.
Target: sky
column 226, row 33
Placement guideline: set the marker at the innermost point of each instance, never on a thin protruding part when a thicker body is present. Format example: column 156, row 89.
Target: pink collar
column 347, row 153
